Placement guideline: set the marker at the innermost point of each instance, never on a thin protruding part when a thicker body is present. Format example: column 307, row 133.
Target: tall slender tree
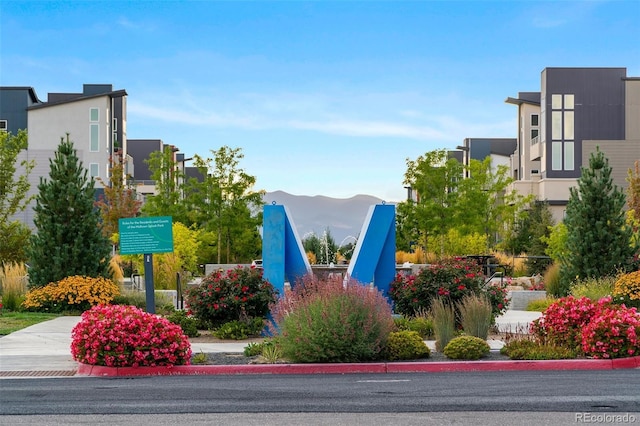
column 225, row 203
column 119, row 200
column 14, row 198
column 633, row 191
column 169, row 182
column 69, row 240
column 598, row 238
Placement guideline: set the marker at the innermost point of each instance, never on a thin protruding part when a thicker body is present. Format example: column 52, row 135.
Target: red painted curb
column 355, row 368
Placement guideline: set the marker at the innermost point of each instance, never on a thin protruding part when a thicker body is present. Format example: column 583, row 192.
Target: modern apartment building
column 95, row 120
column 14, row 102
column 140, row 150
column 498, row 149
column 576, row 111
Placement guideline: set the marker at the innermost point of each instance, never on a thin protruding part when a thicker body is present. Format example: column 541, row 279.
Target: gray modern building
column 94, row 119
column 14, row 102
column 559, row 127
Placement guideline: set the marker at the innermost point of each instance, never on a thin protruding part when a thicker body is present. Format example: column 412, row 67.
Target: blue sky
column 323, row 98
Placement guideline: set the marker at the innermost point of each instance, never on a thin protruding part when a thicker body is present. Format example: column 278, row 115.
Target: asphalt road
column 517, row 397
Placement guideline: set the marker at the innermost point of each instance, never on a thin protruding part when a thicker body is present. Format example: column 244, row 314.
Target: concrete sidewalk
column 44, row 349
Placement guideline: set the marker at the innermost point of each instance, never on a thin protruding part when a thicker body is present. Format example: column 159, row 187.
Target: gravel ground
column 223, row 358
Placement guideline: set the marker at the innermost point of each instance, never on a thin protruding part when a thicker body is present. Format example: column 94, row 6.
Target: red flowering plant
column 614, row 332
column 237, row 294
column 562, row 322
column 125, row 336
column 450, row 279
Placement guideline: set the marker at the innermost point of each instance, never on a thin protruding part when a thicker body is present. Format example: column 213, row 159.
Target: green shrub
column 420, row 324
column 444, row 322
column 271, row 354
column 12, row 301
column 525, row 349
column 406, row 345
column 256, row 348
column 540, row 305
column 228, row 296
column 188, row 324
column 320, row 320
column 239, row 330
column 401, row 322
column 466, row 347
column 475, row 315
column 199, row 358
column 593, row 288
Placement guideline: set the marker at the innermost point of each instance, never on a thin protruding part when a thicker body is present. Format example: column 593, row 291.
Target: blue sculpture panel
column 374, row 259
column 283, row 257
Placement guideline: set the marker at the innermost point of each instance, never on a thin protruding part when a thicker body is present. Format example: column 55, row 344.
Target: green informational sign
column 145, row 235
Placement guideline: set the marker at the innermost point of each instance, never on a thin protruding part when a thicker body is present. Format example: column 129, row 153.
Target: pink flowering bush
column 562, row 322
column 233, row 295
column 448, row 279
column 125, row 336
column 613, row 333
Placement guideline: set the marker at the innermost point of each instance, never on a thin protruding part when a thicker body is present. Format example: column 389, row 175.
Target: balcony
column 525, row 187
column 535, row 149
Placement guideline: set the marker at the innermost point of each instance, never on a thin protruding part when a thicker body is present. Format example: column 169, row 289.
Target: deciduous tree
column 224, row 202
column 119, row 200
column 14, row 198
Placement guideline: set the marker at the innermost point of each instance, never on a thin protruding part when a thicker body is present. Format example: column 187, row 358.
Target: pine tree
column 69, row 240
column 598, row 239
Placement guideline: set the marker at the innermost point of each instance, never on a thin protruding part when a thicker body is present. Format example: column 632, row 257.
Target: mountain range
column 343, row 217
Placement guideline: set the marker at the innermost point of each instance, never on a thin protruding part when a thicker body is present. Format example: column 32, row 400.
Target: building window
column 3, row 125
column 562, row 132
column 534, row 136
column 94, row 138
column 568, row 156
column 94, row 114
column 94, row 170
column 534, row 120
column 556, row 155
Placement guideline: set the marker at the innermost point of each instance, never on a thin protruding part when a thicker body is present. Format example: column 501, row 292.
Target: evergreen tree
column 69, row 239
column 598, row 239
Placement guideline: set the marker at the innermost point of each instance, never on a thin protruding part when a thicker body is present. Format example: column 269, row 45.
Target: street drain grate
column 54, row 373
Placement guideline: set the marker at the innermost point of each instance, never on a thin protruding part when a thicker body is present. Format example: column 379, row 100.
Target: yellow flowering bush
column 627, row 288
column 71, row 293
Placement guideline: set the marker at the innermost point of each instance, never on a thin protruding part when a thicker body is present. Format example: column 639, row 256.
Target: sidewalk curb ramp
column 355, row 368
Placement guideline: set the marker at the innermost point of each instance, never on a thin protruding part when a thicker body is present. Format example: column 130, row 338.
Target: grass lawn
column 14, row 321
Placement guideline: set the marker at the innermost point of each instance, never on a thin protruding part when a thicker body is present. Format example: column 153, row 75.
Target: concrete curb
column 355, row 368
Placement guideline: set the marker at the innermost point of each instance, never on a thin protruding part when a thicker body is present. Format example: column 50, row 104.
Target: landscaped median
column 355, row 368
